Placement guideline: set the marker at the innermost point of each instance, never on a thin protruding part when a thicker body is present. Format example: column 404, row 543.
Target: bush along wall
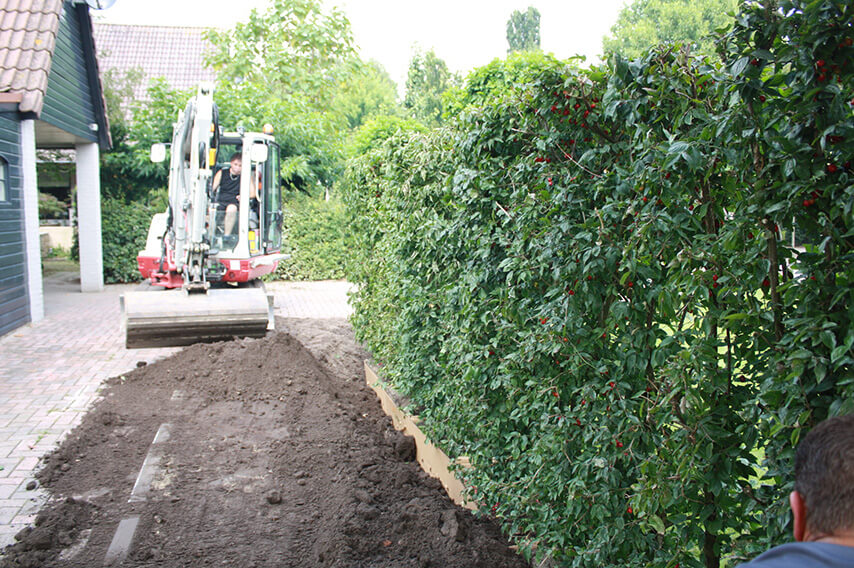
column 585, row 287
column 124, row 228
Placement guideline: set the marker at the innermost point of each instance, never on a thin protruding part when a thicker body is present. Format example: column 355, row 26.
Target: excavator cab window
column 220, row 199
column 272, row 202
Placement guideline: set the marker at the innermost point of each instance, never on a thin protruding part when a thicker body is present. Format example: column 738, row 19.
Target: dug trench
column 269, row 452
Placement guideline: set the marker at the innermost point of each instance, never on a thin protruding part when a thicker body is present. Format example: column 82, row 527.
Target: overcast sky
column 465, row 33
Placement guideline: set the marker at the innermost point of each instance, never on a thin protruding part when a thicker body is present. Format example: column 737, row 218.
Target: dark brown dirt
column 279, row 455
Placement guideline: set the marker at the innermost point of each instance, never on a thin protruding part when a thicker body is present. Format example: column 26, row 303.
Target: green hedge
column 316, row 235
column 124, row 228
column 585, row 287
column 317, row 238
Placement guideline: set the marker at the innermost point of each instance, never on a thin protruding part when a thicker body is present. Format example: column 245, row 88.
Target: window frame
column 4, row 180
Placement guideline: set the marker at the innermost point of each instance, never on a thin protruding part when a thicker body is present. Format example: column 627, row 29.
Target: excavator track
column 173, row 318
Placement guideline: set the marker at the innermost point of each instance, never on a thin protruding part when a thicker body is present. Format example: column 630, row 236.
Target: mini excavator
column 202, row 270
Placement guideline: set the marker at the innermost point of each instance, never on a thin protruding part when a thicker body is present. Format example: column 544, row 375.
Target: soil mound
column 269, row 452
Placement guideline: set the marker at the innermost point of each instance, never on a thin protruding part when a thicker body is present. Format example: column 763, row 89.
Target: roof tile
column 8, row 20
column 21, row 20
column 13, row 39
column 6, row 78
column 10, row 58
column 30, row 100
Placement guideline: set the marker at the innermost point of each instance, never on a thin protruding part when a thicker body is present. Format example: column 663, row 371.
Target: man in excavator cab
column 226, row 191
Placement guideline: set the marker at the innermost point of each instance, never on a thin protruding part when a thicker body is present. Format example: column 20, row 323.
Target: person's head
column 823, row 499
column 236, row 163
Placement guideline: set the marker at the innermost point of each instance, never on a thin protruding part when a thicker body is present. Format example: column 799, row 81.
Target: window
column 4, row 180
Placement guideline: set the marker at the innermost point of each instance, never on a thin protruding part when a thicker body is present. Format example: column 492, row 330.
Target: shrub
column 317, row 238
column 585, row 289
column 124, row 228
column 50, row 207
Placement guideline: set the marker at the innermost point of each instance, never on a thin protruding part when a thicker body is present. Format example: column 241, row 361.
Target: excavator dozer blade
column 172, row 318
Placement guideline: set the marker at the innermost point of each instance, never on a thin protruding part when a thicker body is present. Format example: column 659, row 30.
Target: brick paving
column 52, row 371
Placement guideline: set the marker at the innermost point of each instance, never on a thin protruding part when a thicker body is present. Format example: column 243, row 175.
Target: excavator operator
column 226, row 188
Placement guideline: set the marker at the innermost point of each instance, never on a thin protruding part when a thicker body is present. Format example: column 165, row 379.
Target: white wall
column 89, row 218
column 31, row 220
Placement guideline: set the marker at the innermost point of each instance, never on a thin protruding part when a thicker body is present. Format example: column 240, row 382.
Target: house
column 50, row 98
column 175, row 54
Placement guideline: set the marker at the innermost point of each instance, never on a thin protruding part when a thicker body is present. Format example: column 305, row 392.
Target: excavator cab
column 261, row 233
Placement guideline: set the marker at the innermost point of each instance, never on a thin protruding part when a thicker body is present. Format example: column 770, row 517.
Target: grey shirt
column 804, row 555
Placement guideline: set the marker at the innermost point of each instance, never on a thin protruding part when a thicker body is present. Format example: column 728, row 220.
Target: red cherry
column 630, row 283
column 577, row 422
column 544, row 321
column 766, row 282
column 619, row 444
column 667, row 175
column 576, row 106
column 611, row 384
column 572, row 292
column 762, row 98
column 629, row 511
column 555, row 394
column 819, row 63
column 831, row 169
column 645, row 199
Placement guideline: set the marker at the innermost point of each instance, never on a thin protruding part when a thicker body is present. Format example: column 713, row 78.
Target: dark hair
column 824, row 475
column 236, row 155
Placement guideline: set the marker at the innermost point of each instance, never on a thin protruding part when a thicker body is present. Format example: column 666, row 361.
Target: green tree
column 496, row 81
column 523, row 30
column 647, row 23
column 127, row 173
column 293, row 49
column 366, row 92
column 285, row 67
column 426, row 82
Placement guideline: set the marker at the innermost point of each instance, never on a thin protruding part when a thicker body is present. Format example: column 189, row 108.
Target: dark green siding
column 68, row 101
column 14, row 304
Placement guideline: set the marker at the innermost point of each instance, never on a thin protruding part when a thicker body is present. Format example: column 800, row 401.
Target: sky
column 465, row 33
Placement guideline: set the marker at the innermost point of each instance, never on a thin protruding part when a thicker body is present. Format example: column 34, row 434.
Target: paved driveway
column 52, row 370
